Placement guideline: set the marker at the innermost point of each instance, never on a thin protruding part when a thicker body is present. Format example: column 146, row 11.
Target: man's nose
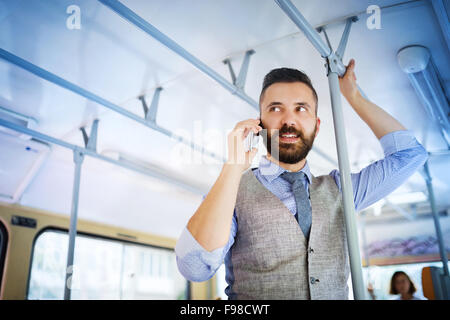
column 288, row 119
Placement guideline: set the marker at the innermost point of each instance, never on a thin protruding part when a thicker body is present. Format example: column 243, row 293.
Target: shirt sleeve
column 196, row 263
column 403, row 155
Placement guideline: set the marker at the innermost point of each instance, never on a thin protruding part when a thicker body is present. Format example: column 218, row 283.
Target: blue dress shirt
column 403, row 156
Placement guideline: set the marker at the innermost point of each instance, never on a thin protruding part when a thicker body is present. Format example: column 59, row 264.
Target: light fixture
column 19, row 119
column 416, row 61
column 20, row 162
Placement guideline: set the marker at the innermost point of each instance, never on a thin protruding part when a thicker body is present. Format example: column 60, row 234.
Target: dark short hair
column 393, row 290
column 287, row 75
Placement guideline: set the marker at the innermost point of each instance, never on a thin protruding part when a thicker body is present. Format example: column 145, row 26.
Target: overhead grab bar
column 236, row 88
column 44, row 74
column 142, row 24
column 92, row 153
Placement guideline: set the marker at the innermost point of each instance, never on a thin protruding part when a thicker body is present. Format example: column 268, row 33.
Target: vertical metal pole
column 444, row 278
column 336, row 68
column 78, row 157
column 347, row 188
column 437, row 224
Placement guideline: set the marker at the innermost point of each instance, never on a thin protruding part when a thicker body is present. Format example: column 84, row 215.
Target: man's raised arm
column 210, row 224
column 378, row 120
column 403, row 154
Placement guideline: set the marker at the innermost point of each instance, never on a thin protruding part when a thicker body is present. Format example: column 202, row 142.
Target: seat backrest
column 427, row 283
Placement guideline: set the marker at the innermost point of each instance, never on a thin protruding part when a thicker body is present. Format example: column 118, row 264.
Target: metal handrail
column 127, row 165
column 145, row 26
column 44, row 74
column 335, row 69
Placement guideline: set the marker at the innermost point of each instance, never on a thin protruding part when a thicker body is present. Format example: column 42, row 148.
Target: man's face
column 288, row 112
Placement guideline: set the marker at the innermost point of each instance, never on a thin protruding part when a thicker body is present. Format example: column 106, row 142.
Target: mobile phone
column 251, row 141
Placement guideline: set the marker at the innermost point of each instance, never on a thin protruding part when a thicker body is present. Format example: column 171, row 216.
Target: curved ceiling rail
column 44, row 74
column 142, row 24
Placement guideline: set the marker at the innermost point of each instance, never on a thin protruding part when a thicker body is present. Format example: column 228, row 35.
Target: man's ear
column 318, row 126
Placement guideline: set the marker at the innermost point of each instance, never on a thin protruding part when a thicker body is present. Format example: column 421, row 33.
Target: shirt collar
column 271, row 170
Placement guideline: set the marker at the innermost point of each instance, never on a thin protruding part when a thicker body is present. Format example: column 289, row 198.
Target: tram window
column 3, row 245
column 103, row 269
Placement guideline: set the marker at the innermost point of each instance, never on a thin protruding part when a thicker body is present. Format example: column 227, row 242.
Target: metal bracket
column 78, row 155
column 239, row 82
column 333, row 65
column 230, row 67
column 320, row 29
column 344, row 39
column 150, row 113
column 90, row 142
column 334, row 60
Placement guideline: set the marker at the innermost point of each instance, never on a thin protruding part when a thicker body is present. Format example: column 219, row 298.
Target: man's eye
column 274, row 109
column 304, row 109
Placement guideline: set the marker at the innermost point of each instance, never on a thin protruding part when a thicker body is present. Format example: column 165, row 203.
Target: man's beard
column 290, row 153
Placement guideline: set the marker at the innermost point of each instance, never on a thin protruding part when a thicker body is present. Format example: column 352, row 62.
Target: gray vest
column 271, row 259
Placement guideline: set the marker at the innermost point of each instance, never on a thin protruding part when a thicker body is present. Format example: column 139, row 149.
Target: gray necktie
column 304, row 215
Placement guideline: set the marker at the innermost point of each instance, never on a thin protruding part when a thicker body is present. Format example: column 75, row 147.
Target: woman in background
column 401, row 284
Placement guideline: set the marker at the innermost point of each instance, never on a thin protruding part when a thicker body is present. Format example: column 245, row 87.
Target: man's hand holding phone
column 238, row 153
column 210, row 224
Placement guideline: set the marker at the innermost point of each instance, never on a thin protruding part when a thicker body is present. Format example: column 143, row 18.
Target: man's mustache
column 286, row 130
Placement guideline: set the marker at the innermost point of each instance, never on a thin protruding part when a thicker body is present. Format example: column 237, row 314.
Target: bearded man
column 278, row 228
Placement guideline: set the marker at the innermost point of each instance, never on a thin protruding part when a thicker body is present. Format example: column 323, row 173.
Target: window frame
column 4, row 238
column 94, row 236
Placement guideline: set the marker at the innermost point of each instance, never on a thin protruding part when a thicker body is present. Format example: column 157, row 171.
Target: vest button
column 314, row 280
